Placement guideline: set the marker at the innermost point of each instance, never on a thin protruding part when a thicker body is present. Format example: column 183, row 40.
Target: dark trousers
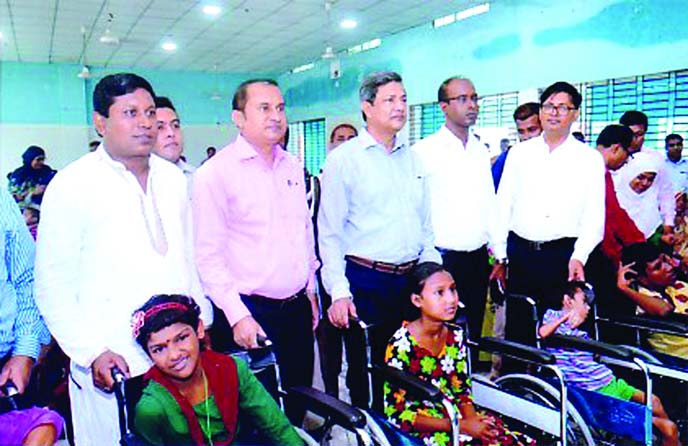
column 381, row 299
column 471, row 272
column 288, row 325
column 538, row 272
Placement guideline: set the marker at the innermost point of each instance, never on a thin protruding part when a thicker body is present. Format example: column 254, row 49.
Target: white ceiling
column 247, row 36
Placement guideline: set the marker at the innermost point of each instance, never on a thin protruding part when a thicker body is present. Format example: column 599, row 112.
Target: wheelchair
column 263, row 364
column 548, row 418
column 607, row 420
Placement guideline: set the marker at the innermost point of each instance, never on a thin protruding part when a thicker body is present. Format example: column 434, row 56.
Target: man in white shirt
column 170, row 142
column 675, row 164
column 551, row 207
column 462, row 196
column 115, row 230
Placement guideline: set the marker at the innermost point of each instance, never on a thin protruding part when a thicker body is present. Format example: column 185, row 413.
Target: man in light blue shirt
column 675, row 164
column 374, row 222
column 22, row 330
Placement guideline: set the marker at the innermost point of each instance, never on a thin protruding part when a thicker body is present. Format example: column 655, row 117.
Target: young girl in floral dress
column 429, row 350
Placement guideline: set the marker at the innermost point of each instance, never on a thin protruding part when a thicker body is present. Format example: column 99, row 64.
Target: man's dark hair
column 115, row 85
column 154, row 316
column 615, row 134
column 164, row 102
column 343, row 125
column 442, row 91
column 641, row 253
column 562, row 87
column 241, row 93
column 525, row 111
column 673, row 136
column 634, row 117
column 209, row 149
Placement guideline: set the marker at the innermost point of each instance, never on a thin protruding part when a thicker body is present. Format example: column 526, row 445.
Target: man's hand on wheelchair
column 340, row 311
column 246, row 333
column 102, row 369
column 17, row 370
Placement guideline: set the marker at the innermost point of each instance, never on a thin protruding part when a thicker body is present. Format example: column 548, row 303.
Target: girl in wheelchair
column 428, row 349
column 580, row 368
column 195, row 397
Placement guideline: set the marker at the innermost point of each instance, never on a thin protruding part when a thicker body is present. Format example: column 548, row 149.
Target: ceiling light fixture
column 169, row 46
column 348, row 23
column 470, row 12
column 328, row 54
column 0, row 35
column 304, row 67
column 212, row 10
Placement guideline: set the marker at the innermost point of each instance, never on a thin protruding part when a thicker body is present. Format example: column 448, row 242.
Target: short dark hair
column 641, row 253
column 525, row 111
column 562, row 87
column 164, row 102
column 161, row 311
column 615, row 134
column 442, row 91
column 342, row 126
column 210, row 148
column 673, row 136
column 115, row 85
column 241, row 94
column 420, row 274
column 634, row 117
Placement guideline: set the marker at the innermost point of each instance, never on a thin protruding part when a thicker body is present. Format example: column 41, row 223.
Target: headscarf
column 26, row 177
column 643, row 208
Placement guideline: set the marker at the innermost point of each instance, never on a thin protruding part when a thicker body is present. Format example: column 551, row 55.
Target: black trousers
column 471, row 272
column 381, row 299
column 288, row 325
column 537, row 271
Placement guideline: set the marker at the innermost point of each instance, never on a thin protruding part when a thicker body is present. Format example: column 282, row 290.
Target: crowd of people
column 164, row 264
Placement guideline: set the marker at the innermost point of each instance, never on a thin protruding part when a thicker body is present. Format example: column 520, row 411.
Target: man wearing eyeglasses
column 462, row 195
column 550, row 206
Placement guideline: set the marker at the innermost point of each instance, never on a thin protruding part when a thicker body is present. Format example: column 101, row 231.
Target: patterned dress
column 447, row 371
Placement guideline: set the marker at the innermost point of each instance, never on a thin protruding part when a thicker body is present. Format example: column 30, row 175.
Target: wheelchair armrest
column 522, row 297
column 412, row 384
column 676, row 324
column 602, row 348
column 328, row 406
column 516, row 350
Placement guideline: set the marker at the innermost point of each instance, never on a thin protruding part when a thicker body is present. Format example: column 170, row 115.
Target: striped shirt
column 22, row 330
column 579, row 368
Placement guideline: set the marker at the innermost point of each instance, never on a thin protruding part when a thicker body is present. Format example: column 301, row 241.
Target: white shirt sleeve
column 592, row 218
column 58, row 270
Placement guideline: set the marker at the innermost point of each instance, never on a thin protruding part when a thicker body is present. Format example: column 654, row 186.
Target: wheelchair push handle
column 596, row 347
column 263, row 341
column 516, row 350
column 10, row 389
column 117, row 375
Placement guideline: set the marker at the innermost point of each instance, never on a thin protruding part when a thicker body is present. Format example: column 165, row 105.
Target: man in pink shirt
column 254, row 237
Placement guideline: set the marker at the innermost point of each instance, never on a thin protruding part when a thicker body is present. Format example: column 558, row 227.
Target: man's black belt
column 272, row 301
column 383, row 267
column 532, row 245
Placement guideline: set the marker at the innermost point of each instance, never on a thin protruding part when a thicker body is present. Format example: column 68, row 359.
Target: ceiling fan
column 85, row 72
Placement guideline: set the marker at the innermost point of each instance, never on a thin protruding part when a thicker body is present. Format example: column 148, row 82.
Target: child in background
column 429, row 350
column 580, row 368
column 194, row 397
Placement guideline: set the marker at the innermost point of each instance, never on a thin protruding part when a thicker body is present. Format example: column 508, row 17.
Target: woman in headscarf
column 636, row 194
column 28, row 182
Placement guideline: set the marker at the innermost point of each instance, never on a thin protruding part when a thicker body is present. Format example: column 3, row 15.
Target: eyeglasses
column 561, row 108
column 462, row 99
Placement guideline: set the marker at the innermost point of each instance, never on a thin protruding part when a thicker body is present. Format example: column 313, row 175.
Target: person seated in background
column 27, row 183
column 648, row 277
column 580, row 368
column 428, row 349
column 22, row 332
column 192, row 396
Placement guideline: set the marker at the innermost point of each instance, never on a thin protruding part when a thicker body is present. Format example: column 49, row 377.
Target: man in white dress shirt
column 170, row 142
column 115, row 230
column 462, row 196
column 551, row 207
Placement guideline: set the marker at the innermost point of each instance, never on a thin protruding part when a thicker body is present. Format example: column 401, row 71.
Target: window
column 663, row 97
column 307, row 141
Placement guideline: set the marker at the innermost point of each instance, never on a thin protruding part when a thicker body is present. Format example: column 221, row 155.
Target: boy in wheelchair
column 193, row 396
column 648, row 277
column 428, row 349
column 581, row 370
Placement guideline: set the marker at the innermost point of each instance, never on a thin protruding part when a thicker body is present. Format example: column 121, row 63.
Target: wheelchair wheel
column 536, row 390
